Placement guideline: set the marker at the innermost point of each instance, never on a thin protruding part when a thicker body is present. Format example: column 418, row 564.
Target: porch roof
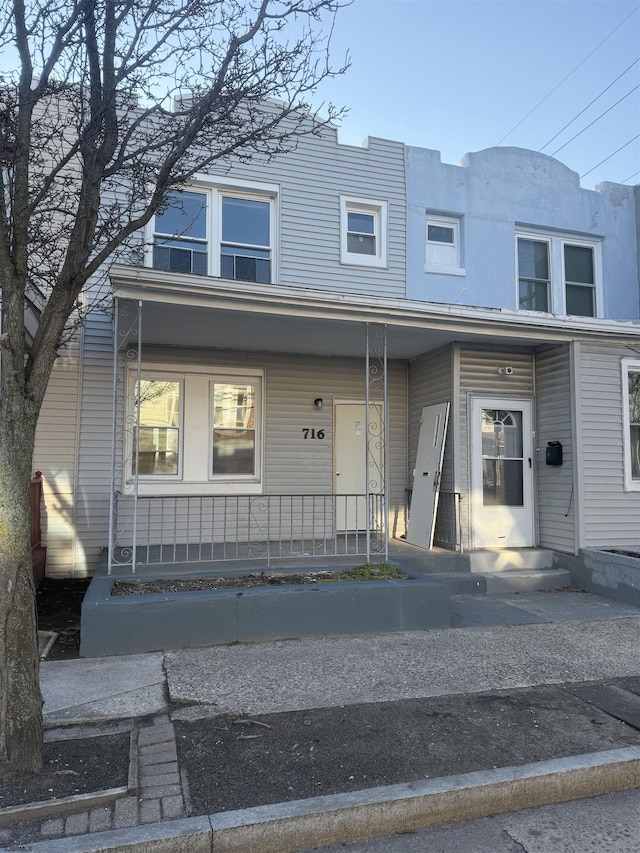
column 195, row 311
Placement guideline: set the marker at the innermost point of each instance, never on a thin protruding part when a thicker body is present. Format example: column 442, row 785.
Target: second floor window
column 533, row 274
column 215, row 232
column 557, row 275
column 363, row 232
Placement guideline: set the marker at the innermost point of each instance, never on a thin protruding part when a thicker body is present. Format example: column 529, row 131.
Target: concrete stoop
column 518, row 570
column 531, row 580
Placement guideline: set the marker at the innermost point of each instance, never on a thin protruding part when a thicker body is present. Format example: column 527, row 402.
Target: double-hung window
column 216, row 231
column 579, row 280
column 557, row 274
column 631, row 413
column 533, row 274
column 195, row 430
column 363, row 237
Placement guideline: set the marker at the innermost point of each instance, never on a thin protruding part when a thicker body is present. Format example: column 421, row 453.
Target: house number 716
column 312, row 433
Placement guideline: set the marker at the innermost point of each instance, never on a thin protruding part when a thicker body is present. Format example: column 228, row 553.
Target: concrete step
column 511, row 560
column 526, row 580
column 460, row 583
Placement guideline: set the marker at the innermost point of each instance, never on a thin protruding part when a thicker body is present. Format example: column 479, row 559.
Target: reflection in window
column 157, row 412
column 634, row 423
column 361, row 238
column 245, row 253
column 180, row 238
column 502, row 458
column 533, row 274
column 579, row 280
column 234, row 428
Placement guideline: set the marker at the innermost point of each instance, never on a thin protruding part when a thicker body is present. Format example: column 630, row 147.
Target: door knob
column 337, row 473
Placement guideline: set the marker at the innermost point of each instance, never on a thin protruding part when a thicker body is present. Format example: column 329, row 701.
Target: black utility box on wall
column 554, row 453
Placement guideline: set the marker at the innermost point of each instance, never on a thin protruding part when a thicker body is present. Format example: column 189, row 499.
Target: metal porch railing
column 216, row 528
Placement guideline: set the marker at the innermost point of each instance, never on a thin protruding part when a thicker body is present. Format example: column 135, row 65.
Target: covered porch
column 314, row 358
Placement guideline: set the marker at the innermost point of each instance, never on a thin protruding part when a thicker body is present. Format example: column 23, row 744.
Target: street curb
column 359, row 815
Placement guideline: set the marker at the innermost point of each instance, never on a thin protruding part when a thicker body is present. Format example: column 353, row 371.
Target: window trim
column 454, row 222
column 195, row 434
column 214, row 188
column 557, row 283
column 628, row 365
column 379, row 210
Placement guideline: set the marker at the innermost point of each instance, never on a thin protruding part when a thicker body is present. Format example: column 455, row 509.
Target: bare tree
column 111, row 104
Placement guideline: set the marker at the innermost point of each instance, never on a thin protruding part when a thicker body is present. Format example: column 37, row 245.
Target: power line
column 548, row 95
column 588, row 105
column 610, row 156
column 595, row 120
column 630, row 176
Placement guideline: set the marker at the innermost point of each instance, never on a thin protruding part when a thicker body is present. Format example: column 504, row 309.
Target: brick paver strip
column 100, row 818
column 125, row 812
column 53, row 826
column 76, row 824
column 147, row 737
column 158, row 769
column 150, row 811
column 172, row 807
column 153, row 792
column 158, row 752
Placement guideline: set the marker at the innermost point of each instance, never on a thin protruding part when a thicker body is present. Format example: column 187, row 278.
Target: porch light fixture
column 318, row 402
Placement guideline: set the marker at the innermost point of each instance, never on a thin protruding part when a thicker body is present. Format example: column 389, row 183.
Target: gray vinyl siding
column 292, row 465
column 311, row 180
column 479, row 377
column 55, row 456
column 611, row 514
column 431, row 382
column 556, row 497
column 94, row 450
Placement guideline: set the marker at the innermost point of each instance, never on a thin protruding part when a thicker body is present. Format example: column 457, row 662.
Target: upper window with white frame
column 443, row 245
column 218, row 232
column 218, row 447
column 558, row 275
column 631, row 413
column 363, row 232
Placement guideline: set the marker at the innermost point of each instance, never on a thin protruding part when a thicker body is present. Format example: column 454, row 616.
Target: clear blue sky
column 459, row 75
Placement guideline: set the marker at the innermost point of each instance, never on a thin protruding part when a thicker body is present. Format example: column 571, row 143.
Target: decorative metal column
column 127, row 349
column 376, row 431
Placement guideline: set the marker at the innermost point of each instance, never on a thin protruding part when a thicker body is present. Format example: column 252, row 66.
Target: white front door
column 350, row 452
column 426, row 475
column 501, row 473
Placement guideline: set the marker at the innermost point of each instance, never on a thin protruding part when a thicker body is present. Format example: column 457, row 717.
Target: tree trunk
column 20, row 697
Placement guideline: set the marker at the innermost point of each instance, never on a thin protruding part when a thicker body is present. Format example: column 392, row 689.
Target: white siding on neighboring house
column 55, row 456
column 611, row 515
column 556, row 494
column 479, row 377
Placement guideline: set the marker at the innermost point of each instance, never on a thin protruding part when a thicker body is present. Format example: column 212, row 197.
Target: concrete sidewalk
column 503, row 643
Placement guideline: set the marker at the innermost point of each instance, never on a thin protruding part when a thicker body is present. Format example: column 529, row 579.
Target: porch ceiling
column 181, row 326
column 207, row 313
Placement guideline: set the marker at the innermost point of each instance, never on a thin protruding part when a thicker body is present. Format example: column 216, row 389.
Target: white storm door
column 350, row 451
column 426, row 475
column 502, row 511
